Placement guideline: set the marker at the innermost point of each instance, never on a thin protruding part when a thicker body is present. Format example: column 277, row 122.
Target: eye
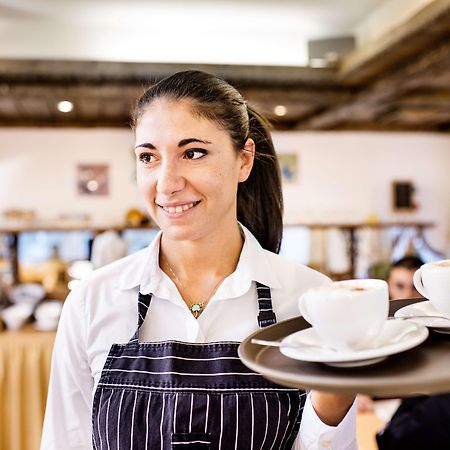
column 195, row 153
column 146, row 158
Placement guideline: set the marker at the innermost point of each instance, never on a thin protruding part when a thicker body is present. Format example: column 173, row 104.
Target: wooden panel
column 401, row 82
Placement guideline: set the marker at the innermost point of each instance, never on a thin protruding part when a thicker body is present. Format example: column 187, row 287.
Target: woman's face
column 188, row 171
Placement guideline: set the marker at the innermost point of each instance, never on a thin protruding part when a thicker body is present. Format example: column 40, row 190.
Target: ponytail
column 260, row 198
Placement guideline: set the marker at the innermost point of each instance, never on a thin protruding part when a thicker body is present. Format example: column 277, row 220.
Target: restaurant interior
column 358, row 95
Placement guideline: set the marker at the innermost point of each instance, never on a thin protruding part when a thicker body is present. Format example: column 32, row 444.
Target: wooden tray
column 422, row 370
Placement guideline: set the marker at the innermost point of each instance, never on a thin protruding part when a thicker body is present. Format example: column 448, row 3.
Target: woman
column 207, row 170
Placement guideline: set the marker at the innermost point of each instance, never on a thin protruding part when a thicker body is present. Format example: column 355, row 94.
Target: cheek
column 144, row 181
column 224, row 181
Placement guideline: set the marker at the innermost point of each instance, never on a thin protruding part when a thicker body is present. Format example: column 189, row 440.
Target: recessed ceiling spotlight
column 65, row 106
column 280, row 110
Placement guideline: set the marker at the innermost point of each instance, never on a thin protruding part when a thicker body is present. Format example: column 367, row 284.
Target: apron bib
column 179, row 395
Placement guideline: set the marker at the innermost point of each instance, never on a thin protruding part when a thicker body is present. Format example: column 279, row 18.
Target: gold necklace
column 197, row 307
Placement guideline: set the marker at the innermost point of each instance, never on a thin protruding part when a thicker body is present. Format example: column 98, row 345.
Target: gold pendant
column 196, row 309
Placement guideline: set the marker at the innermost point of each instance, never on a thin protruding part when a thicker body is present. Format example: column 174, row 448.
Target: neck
column 213, row 257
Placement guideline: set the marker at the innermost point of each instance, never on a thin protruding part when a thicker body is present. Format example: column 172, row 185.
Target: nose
column 170, row 179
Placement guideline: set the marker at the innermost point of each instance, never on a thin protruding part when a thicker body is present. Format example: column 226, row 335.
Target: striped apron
column 179, row 395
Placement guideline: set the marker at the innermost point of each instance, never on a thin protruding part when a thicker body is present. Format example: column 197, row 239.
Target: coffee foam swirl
column 338, row 289
column 445, row 264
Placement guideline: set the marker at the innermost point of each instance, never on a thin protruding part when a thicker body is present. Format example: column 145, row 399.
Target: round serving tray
column 422, row 370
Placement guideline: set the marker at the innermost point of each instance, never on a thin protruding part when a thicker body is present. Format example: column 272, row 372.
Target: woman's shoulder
column 293, row 280
column 125, row 269
column 287, row 268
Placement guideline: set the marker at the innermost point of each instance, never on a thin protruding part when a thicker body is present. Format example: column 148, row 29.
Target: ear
column 246, row 156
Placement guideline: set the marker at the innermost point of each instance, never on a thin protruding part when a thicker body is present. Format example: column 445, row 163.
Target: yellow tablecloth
column 25, row 357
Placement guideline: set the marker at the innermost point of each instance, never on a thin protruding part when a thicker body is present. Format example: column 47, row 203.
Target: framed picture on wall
column 289, row 167
column 403, row 196
column 92, row 179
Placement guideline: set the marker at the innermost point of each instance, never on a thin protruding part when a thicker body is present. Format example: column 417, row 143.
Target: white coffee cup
column 432, row 280
column 347, row 315
column 47, row 314
column 15, row 316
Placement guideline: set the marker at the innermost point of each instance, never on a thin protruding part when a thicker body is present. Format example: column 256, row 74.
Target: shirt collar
column 144, row 271
column 253, row 265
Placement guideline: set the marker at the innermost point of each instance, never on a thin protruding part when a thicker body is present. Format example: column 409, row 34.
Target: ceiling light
column 280, row 110
column 65, row 106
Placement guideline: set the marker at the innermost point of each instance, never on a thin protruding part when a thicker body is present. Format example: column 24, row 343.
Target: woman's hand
column 331, row 408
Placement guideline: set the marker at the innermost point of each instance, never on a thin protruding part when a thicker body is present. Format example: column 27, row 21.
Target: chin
column 179, row 233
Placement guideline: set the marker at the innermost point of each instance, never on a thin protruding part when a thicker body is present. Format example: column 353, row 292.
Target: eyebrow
column 182, row 143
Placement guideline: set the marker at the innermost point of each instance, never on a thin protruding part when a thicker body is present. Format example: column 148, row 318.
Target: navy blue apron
column 179, row 395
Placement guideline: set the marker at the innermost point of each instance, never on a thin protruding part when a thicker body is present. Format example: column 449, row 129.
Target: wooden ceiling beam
column 245, row 76
column 380, row 94
column 430, row 25
column 417, row 116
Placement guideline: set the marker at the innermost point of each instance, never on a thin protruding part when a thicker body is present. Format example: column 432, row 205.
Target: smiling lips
column 179, row 208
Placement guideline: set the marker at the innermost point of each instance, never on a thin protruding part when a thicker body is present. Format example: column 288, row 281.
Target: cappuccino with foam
column 347, row 315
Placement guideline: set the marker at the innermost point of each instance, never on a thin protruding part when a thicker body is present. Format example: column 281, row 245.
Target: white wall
column 348, row 176
column 342, row 176
column 38, row 171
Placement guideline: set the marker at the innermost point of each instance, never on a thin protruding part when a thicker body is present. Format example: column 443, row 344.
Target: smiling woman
column 208, row 173
column 186, row 179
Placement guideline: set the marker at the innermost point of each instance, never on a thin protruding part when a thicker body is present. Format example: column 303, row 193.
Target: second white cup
column 432, row 280
column 347, row 315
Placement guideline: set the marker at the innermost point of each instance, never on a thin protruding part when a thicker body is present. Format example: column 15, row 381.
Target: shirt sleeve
column 67, row 423
column 315, row 435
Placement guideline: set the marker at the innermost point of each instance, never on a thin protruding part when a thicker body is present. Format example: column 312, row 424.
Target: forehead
column 401, row 273
column 175, row 119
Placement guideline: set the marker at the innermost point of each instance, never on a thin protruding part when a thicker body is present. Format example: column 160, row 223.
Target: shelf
column 350, row 228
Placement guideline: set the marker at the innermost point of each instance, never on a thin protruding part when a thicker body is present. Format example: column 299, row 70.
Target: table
column 422, row 370
column 25, row 358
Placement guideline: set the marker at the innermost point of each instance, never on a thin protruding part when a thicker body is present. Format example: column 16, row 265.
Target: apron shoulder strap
column 143, row 304
column 266, row 314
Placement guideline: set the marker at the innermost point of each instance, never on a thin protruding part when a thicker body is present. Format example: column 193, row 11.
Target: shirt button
column 325, row 444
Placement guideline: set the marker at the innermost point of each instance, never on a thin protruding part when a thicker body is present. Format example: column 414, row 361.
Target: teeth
column 178, row 209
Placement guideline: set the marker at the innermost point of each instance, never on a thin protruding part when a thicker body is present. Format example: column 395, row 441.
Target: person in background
column 420, row 423
column 107, row 247
column 400, row 278
column 145, row 355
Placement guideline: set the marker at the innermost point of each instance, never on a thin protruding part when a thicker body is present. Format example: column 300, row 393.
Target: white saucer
column 395, row 337
column 425, row 308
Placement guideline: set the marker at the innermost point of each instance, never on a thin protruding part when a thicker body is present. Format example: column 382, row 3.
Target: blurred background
column 358, row 92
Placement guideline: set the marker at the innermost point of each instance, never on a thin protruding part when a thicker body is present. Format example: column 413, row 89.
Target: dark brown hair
column 410, row 262
column 259, row 198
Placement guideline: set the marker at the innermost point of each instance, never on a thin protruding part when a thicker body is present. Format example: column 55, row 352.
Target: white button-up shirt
column 103, row 311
